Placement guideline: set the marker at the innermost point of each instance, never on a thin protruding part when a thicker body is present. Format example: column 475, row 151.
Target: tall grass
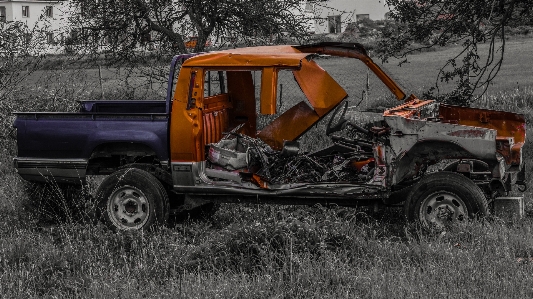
column 250, row 251
column 518, row 100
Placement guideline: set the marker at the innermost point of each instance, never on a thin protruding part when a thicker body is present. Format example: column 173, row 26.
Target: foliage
column 165, row 26
column 434, row 23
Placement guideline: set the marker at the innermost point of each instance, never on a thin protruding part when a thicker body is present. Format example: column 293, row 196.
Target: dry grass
column 250, row 251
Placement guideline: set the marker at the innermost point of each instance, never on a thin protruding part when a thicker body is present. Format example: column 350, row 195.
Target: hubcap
column 441, row 209
column 128, row 208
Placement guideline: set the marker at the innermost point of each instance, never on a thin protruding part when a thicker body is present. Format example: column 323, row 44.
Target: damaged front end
column 229, row 157
column 487, row 144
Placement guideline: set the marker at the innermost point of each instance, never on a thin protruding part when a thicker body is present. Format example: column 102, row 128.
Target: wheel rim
column 442, row 208
column 128, row 208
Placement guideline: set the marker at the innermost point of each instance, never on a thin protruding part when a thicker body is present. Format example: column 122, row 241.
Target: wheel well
column 426, row 153
column 106, row 158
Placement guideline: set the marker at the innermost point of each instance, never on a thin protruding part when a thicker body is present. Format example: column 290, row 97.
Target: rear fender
column 128, row 141
column 427, row 153
column 510, row 127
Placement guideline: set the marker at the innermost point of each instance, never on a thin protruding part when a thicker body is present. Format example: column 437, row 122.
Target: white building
column 43, row 18
column 333, row 16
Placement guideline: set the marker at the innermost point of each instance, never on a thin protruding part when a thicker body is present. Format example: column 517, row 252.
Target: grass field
column 259, row 251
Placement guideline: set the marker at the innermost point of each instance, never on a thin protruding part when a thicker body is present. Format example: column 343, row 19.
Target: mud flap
column 509, row 208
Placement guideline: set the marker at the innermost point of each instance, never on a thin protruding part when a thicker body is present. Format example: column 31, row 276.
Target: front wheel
column 132, row 199
column 444, row 198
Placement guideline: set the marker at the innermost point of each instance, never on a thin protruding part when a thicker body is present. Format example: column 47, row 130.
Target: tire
column 132, row 199
column 443, row 198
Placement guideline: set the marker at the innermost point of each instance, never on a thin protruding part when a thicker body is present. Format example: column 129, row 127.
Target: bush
column 519, row 30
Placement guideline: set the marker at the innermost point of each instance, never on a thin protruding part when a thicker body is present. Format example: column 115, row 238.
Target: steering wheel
column 341, row 123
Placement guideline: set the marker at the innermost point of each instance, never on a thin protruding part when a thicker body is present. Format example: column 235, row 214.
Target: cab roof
column 275, row 56
column 266, row 56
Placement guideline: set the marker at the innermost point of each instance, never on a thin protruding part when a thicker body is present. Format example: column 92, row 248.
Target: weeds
column 269, row 251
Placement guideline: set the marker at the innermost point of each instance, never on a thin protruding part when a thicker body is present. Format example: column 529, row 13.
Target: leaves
column 123, row 28
column 432, row 23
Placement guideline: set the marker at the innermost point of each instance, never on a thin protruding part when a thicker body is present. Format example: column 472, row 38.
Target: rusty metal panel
column 414, row 109
column 510, row 127
column 215, row 123
column 289, row 126
column 416, row 142
column 506, row 123
column 269, row 90
column 215, row 117
column 186, row 134
column 216, row 103
column 355, row 50
column 407, row 132
column 186, row 123
column 322, row 91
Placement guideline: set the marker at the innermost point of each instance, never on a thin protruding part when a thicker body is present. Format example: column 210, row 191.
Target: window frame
column 50, row 38
column 25, row 11
column 335, row 21
column 49, row 11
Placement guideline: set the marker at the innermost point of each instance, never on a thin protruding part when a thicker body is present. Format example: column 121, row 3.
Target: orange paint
column 511, row 127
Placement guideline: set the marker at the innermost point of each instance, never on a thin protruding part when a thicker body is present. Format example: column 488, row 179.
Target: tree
column 431, row 23
column 166, row 25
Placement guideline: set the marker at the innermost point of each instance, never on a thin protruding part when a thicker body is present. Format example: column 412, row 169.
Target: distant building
column 333, row 16
column 45, row 18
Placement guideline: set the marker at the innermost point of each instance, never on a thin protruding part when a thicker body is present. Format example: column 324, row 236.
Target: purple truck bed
column 60, row 144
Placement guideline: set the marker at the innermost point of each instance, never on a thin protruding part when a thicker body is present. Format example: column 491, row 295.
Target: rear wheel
column 443, row 198
column 132, row 199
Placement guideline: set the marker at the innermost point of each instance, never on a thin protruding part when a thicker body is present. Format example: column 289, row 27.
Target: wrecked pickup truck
column 201, row 145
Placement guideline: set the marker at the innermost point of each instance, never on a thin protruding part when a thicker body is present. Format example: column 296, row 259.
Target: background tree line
column 119, row 30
